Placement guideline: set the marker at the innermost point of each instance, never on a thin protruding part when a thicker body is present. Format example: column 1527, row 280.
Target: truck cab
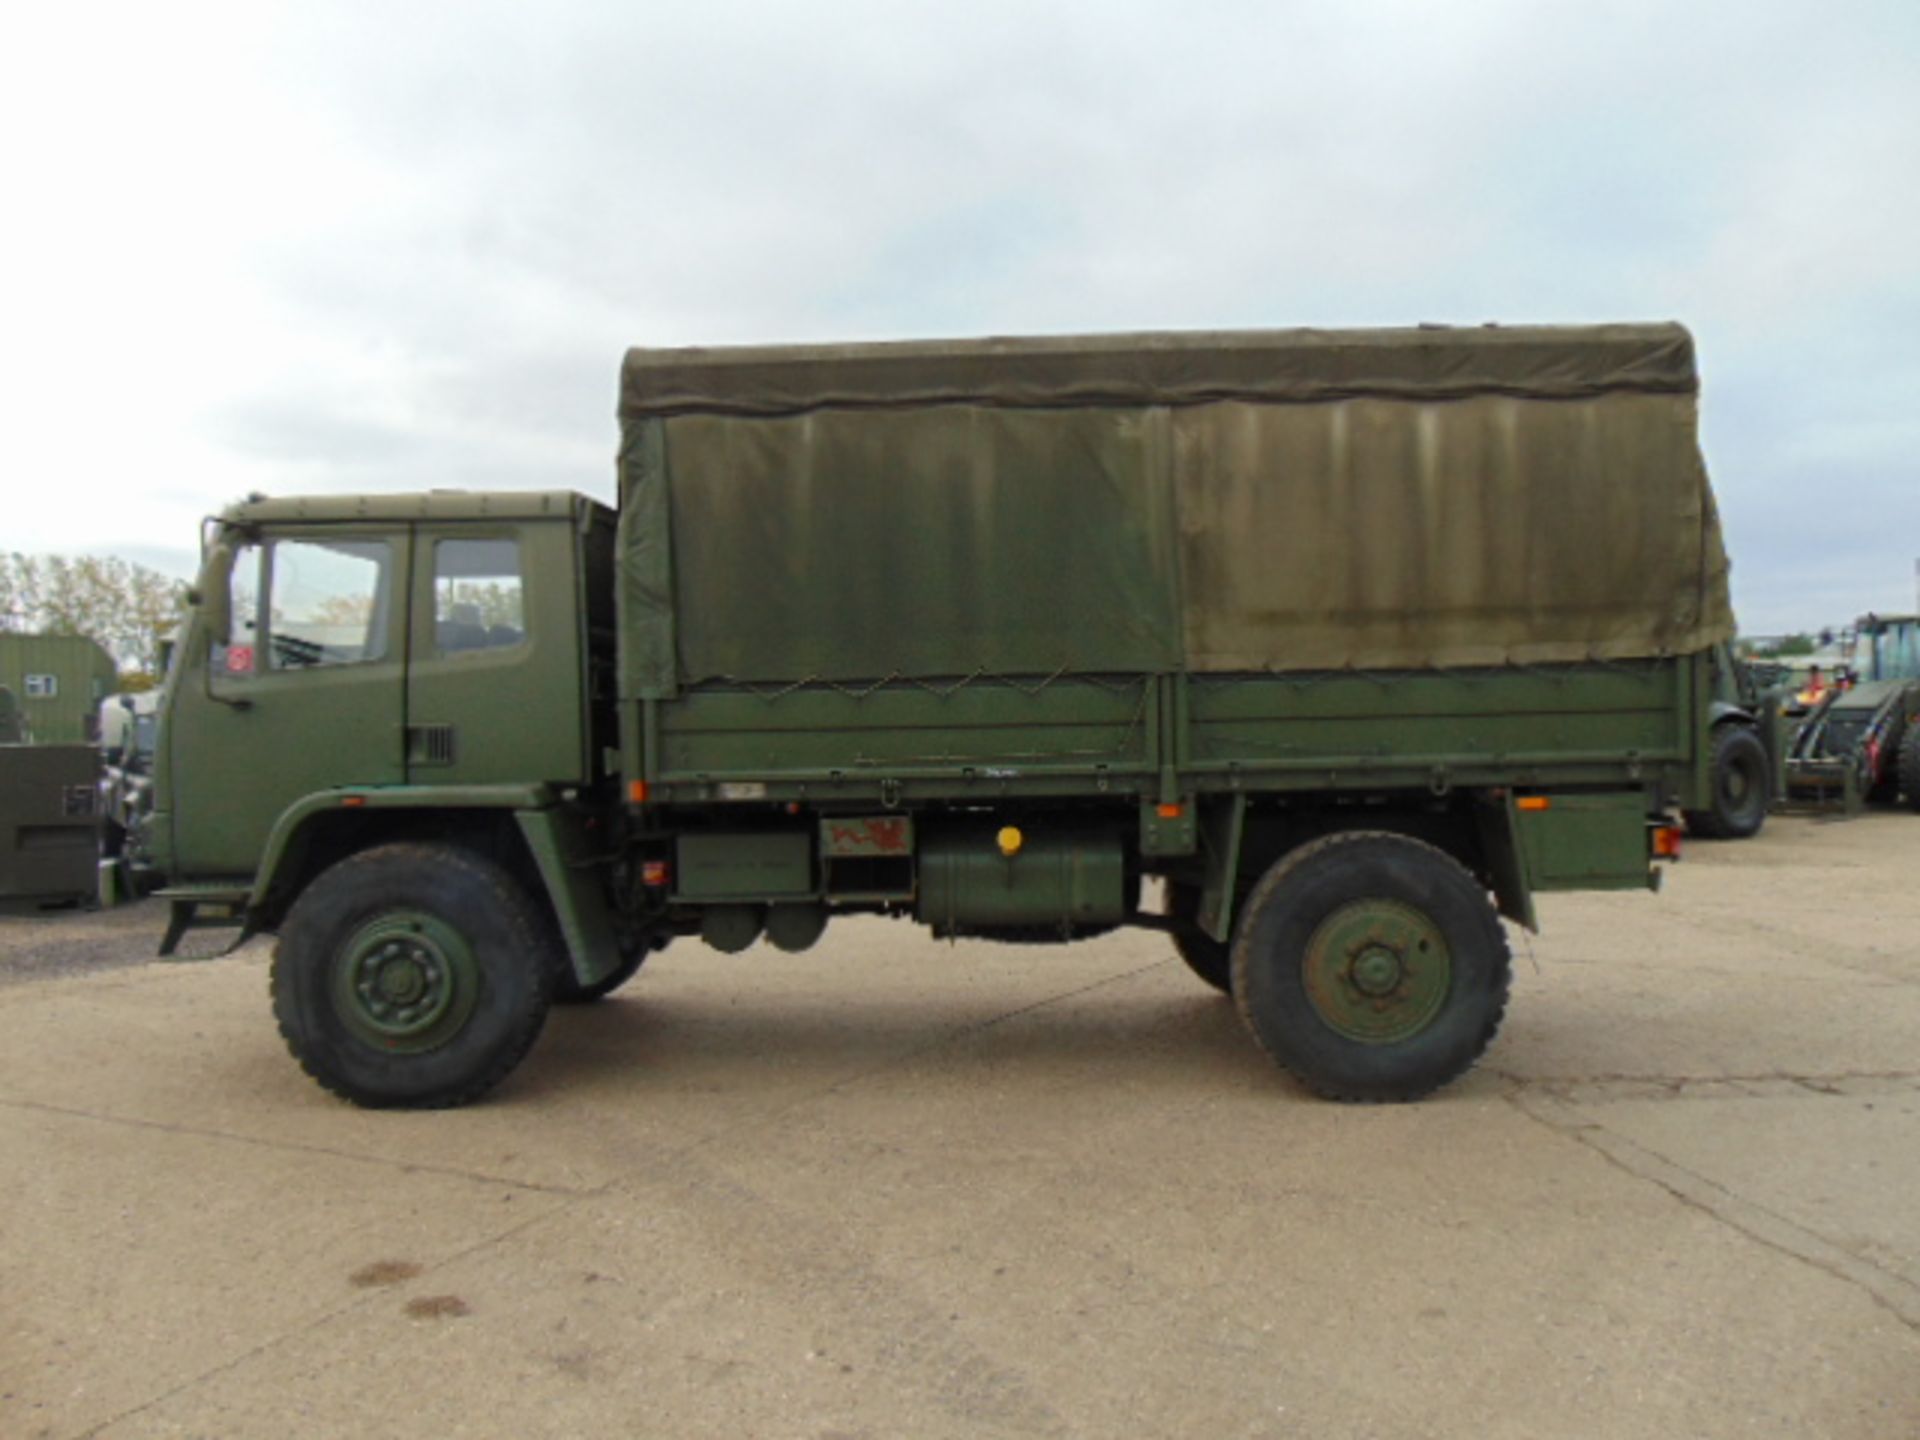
column 399, row 651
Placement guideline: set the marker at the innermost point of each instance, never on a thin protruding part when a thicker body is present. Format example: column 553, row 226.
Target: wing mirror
column 213, row 595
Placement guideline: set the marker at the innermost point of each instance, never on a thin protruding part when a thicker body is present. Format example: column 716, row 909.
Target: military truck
column 1353, row 641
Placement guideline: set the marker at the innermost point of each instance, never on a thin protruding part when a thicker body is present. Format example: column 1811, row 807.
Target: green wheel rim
column 406, row 981
column 1377, row 971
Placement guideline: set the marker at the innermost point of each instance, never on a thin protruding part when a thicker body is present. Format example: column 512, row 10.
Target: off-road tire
column 1741, row 787
column 1314, row 887
column 1207, row 957
column 443, row 893
column 1909, row 765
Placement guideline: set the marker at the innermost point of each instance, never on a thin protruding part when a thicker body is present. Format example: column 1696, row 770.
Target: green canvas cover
column 1257, row 501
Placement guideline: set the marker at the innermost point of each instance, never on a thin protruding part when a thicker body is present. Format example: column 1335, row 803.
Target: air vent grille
column 430, row 744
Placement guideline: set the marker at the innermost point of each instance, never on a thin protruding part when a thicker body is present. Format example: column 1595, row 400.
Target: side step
column 205, row 907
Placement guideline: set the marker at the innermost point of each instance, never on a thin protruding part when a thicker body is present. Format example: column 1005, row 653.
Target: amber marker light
column 637, row 792
column 353, row 802
column 1010, row 840
column 1533, row 802
column 1666, row 842
column 1170, row 812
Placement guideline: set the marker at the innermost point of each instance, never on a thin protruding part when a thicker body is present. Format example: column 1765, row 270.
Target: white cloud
column 366, row 246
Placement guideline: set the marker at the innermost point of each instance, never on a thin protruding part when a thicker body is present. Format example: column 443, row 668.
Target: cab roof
column 419, row 505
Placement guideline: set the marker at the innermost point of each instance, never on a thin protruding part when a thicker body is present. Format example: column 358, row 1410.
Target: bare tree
column 128, row 608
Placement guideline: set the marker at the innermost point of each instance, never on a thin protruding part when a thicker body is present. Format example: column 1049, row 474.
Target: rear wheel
column 1740, row 787
column 411, row 975
column 1210, row 959
column 1372, row 966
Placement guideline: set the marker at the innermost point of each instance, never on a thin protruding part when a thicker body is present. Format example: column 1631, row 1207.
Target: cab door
column 306, row 695
column 493, row 690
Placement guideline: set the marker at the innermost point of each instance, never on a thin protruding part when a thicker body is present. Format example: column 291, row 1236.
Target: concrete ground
column 898, row 1188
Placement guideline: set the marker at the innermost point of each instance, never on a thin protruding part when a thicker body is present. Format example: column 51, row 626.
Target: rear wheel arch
column 1469, row 830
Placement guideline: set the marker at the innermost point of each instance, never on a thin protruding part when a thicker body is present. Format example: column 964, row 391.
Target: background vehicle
column 1355, row 640
column 1861, row 742
column 129, row 730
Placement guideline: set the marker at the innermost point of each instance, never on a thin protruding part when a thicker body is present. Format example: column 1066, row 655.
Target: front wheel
column 411, row 975
column 1372, row 966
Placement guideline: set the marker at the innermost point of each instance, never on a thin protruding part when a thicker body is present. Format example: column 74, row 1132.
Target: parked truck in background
column 129, row 734
column 1353, row 641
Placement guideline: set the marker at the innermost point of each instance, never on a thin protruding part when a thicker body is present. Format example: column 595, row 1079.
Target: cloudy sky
column 340, row 246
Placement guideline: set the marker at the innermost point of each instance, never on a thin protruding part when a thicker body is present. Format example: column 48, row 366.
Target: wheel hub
column 1377, row 971
column 405, row 981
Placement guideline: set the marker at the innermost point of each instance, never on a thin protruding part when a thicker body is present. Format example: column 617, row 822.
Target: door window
column 478, row 601
column 329, row 602
column 325, row 603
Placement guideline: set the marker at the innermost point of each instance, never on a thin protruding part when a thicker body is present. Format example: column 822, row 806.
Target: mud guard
column 1498, row 825
column 1221, row 826
column 579, row 902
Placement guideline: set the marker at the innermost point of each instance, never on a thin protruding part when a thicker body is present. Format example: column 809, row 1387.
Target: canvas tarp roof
column 1426, row 362
column 1260, row 501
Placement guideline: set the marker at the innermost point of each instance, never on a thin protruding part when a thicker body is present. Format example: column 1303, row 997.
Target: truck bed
column 1617, row 722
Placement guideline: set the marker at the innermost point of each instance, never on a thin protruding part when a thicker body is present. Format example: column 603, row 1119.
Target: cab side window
column 478, row 597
